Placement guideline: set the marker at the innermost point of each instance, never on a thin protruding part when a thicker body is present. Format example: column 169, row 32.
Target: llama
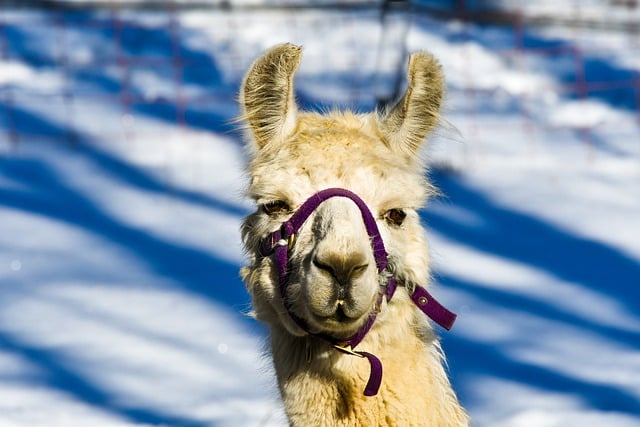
column 335, row 232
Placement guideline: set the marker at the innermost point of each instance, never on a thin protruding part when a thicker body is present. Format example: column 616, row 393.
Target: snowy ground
column 121, row 196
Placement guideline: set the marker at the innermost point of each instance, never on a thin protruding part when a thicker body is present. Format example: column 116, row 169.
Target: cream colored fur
column 293, row 155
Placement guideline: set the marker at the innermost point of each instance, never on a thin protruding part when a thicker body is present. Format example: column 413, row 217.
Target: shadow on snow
column 510, row 234
column 519, row 237
column 195, row 270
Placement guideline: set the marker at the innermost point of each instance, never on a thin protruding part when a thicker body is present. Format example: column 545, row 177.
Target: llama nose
column 343, row 268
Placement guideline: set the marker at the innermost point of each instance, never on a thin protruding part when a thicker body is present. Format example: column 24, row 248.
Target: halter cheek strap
column 281, row 241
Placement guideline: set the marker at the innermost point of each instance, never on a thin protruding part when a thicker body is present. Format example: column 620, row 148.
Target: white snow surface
column 120, row 302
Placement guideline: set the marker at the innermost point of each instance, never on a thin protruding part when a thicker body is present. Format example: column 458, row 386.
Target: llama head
column 333, row 280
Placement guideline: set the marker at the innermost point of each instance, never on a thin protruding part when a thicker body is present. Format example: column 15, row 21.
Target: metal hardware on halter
column 275, row 240
column 286, row 242
column 347, row 349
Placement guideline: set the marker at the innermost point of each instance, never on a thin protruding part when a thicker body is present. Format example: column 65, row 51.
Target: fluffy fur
column 333, row 279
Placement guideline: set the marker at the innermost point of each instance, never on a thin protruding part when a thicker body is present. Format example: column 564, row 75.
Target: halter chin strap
column 281, row 241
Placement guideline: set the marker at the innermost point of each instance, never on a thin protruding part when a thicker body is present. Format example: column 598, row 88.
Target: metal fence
column 180, row 62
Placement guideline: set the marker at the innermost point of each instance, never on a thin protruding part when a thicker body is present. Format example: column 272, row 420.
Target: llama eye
column 395, row 216
column 276, row 207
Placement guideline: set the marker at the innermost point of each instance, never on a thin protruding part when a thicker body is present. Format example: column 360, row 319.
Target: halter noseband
column 281, row 241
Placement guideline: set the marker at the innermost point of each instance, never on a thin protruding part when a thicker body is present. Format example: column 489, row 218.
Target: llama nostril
column 358, row 270
column 342, row 269
column 323, row 266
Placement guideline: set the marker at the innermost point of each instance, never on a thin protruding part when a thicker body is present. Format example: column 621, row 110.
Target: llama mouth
column 339, row 323
column 340, row 315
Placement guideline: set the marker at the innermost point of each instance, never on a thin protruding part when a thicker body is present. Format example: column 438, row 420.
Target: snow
column 121, row 196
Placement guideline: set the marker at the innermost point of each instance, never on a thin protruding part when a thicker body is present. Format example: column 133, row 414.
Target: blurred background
column 121, row 195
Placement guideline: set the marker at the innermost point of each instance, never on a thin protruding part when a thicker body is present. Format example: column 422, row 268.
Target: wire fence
column 180, row 62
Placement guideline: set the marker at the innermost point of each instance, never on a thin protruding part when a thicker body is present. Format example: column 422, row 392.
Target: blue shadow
column 575, row 68
column 135, row 52
column 63, row 377
column 527, row 240
column 508, row 234
column 193, row 269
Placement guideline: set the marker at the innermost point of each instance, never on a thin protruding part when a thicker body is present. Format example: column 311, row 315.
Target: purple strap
column 432, row 308
column 296, row 221
column 279, row 243
column 375, row 375
column 392, row 284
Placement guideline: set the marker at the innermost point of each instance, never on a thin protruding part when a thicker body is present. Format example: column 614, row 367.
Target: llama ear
column 266, row 95
column 417, row 113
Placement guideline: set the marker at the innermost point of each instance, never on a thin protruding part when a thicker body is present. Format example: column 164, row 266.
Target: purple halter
column 281, row 241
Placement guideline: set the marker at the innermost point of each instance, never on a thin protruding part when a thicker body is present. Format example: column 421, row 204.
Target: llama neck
column 322, row 386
